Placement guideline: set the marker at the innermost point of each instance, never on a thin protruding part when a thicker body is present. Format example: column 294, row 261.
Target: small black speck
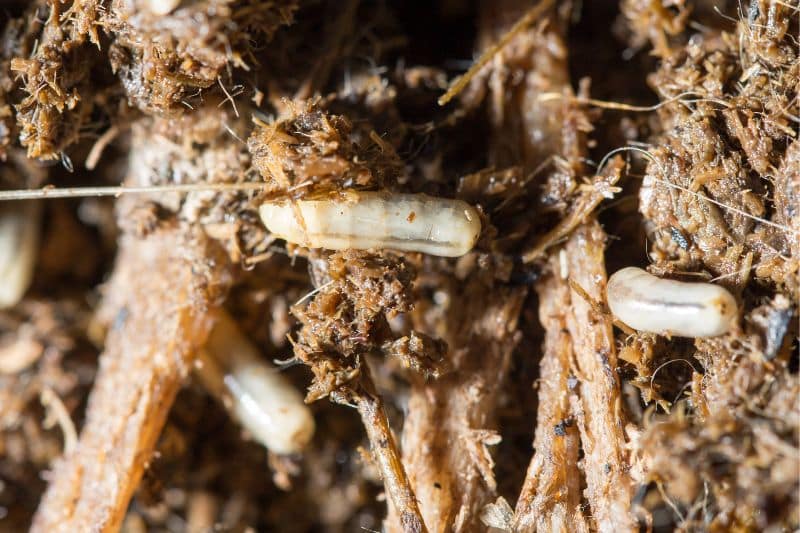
column 753, row 13
column 437, row 485
column 524, row 275
column 641, row 492
column 678, row 238
column 779, row 320
column 560, row 429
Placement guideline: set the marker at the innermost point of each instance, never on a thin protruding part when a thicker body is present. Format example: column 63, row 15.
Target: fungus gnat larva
column 161, row 7
column 19, row 242
column 258, row 395
column 408, row 222
column 648, row 303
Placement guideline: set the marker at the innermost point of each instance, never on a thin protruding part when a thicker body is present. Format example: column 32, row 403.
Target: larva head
column 472, row 227
column 161, row 7
column 726, row 306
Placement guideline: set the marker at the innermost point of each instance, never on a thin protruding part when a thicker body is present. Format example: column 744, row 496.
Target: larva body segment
column 161, row 7
column 408, row 222
column 648, row 303
column 259, row 396
column 19, row 242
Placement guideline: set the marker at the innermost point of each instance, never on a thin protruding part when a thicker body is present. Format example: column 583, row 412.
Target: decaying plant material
column 67, row 54
column 491, row 390
column 550, row 499
column 149, row 349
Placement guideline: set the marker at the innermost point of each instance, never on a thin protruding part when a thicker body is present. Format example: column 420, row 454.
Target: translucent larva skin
column 19, row 242
column 161, row 7
column 259, row 396
column 648, row 303
column 408, row 222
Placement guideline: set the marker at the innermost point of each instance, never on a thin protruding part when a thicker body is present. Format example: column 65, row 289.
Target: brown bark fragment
column 165, row 60
column 598, row 409
column 787, row 202
column 55, row 75
column 158, row 302
column 551, row 496
column 655, row 22
column 309, row 151
column 527, row 130
column 714, row 464
column 716, row 161
column 443, row 445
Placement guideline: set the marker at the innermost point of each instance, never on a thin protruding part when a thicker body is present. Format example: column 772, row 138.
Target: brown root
column 551, row 496
column 157, row 309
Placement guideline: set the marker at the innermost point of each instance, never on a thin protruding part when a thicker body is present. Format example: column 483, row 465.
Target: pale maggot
column 259, row 396
column 362, row 220
column 649, row 303
column 19, row 243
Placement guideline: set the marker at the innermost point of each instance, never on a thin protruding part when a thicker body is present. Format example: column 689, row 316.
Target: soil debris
column 493, row 390
column 310, row 152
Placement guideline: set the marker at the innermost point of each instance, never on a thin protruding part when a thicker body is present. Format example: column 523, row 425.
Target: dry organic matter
column 491, row 390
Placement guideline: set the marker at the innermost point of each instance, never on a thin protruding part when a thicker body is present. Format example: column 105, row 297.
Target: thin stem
column 80, row 192
column 527, row 19
column 387, row 456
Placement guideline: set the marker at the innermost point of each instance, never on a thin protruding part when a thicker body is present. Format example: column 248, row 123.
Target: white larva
column 409, row 222
column 648, row 303
column 161, row 7
column 19, row 242
column 258, row 395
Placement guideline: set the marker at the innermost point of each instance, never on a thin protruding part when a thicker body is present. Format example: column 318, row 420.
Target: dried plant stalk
column 598, row 408
column 551, row 495
column 526, row 129
column 448, row 427
column 446, row 430
column 526, row 20
column 158, row 301
column 787, row 198
column 387, row 456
